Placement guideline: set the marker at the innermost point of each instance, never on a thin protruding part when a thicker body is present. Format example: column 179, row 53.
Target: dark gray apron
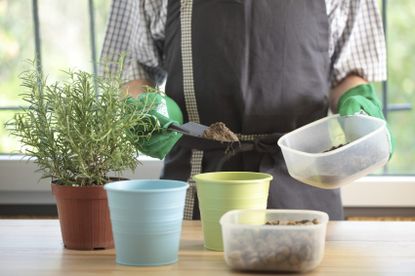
column 262, row 68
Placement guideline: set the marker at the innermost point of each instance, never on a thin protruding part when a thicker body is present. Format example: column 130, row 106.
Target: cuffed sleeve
column 134, row 32
column 358, row 42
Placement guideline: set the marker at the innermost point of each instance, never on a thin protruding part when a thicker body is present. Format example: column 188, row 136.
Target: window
column 16, row 44
column 64, row 34
column 400, row 87
column 70, row 34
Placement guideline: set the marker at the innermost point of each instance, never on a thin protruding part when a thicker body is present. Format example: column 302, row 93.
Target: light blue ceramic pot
column 146, row 218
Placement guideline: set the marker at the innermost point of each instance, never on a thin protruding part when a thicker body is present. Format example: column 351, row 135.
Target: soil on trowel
column 219, row 132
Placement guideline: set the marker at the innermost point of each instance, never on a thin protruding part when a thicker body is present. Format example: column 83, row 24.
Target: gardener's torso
column 261, row 67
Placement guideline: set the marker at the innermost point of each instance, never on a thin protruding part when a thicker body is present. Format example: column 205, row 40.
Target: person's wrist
column 342, row 87
column 136, row 87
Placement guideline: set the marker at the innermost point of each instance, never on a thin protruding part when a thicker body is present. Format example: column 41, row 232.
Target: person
column 264, row 68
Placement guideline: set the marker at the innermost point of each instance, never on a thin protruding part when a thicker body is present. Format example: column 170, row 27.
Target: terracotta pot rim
column 111, row 179
column 77, row 186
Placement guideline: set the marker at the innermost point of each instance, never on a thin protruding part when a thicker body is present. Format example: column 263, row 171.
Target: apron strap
column 187, row 60
column 190, row 98
column 265, row 143
column 250, row 137
column 260, row 143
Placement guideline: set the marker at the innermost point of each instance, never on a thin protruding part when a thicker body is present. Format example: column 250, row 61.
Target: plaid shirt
column 136, row 27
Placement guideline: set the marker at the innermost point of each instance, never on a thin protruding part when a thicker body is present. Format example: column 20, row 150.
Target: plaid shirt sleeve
column 135, row 30
column 357, row 40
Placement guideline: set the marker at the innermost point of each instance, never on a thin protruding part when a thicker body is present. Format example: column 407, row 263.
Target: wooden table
column 34, row 247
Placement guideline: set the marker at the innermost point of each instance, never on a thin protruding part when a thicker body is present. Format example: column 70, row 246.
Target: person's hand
column 363, row 98
column 153, row 138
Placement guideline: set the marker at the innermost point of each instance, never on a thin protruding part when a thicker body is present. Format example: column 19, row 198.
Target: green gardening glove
column 363, row 98
column 158, row 111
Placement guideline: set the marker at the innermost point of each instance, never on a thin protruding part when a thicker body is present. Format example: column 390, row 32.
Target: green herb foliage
column 76, row 135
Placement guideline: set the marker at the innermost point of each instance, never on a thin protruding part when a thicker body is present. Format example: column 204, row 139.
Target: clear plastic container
column 312, row 157
column 251, row 245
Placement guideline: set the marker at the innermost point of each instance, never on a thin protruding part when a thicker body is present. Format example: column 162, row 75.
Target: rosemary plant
column 75, row 135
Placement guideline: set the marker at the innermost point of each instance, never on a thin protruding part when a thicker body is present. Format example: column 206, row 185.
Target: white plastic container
column 365, row 147
column 251, row 245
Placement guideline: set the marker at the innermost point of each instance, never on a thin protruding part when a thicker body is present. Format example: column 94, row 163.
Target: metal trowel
column 190, row 129
column 218, row 131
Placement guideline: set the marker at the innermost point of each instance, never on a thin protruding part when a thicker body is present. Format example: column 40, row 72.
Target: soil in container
column 335, row 147
column 326, row 179
column 292, row 222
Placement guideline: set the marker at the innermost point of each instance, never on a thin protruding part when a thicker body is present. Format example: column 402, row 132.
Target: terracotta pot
column 84, row 217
